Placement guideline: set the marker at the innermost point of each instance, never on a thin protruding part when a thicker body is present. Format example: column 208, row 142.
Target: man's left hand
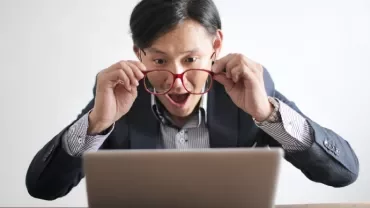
column 243, row 81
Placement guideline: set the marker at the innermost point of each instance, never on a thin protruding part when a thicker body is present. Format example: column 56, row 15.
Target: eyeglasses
column 195, row 81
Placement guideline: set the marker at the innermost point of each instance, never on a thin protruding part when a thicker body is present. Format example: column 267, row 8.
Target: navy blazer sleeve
column 330, row 159
column 53, row 172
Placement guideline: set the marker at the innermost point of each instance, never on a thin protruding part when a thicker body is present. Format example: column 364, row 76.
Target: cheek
column 198, row 79
column 162, row 98
column 194, row 99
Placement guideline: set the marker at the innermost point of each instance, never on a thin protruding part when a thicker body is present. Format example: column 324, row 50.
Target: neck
column 180, row 121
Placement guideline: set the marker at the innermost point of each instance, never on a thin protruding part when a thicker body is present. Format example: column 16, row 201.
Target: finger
column 140, row 65
column 129, row 69
column 137, row 68
column 250, row 63
column 220, row 64
column 118, row 65
column 120, row 77
column 233, row 63
column 259, row 68
column 125, row 79
column 115, row 66
column 242, row 73
column 237, row 73
column 254, row 66
column 226, row 82
column 130, row 74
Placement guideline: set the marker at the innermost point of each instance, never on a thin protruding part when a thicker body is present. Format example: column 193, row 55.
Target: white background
column 50, row 51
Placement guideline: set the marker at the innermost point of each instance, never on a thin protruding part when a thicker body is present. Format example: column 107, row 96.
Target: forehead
column 186, row 36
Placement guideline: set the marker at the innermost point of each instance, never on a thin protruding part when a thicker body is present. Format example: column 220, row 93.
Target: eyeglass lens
column 194, row 81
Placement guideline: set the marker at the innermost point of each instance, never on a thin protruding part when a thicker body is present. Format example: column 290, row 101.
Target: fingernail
column 136, row 83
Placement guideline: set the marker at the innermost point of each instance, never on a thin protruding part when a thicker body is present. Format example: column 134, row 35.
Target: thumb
column 226, row 82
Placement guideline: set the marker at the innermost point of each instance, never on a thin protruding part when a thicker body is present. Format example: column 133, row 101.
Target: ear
column 137, row 51
column 217, row 42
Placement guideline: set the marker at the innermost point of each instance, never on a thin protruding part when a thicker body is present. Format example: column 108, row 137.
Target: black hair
column 152, row 18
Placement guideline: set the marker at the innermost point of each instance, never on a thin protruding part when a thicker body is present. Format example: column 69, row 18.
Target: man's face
column 188, row 46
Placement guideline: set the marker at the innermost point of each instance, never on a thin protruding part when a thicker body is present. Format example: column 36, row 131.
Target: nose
column 178, row 85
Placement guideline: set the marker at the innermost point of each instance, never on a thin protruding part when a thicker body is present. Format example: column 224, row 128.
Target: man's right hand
column 116, row 91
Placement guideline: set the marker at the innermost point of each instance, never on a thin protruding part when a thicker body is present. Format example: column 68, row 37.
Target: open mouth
column 179, row 99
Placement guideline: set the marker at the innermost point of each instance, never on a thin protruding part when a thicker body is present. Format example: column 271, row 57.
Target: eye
column 191, row 59
column 159, row 61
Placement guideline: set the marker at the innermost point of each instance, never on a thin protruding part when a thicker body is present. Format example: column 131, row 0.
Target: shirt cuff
column 76, row 141
column 293, row 132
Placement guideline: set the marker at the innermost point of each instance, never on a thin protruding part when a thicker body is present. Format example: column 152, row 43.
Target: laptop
column 194, row 178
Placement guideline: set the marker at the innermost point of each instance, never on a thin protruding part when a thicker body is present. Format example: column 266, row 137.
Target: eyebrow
column 155, row 50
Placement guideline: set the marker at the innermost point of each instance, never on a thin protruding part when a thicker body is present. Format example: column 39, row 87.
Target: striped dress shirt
column 292, row 131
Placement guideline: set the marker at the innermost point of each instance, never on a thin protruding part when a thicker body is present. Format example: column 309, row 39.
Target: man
column 179, row 95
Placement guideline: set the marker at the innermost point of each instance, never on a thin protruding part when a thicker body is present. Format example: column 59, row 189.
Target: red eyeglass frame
column 181, row 77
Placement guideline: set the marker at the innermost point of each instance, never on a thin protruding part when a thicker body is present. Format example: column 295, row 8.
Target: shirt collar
column 202, row 112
